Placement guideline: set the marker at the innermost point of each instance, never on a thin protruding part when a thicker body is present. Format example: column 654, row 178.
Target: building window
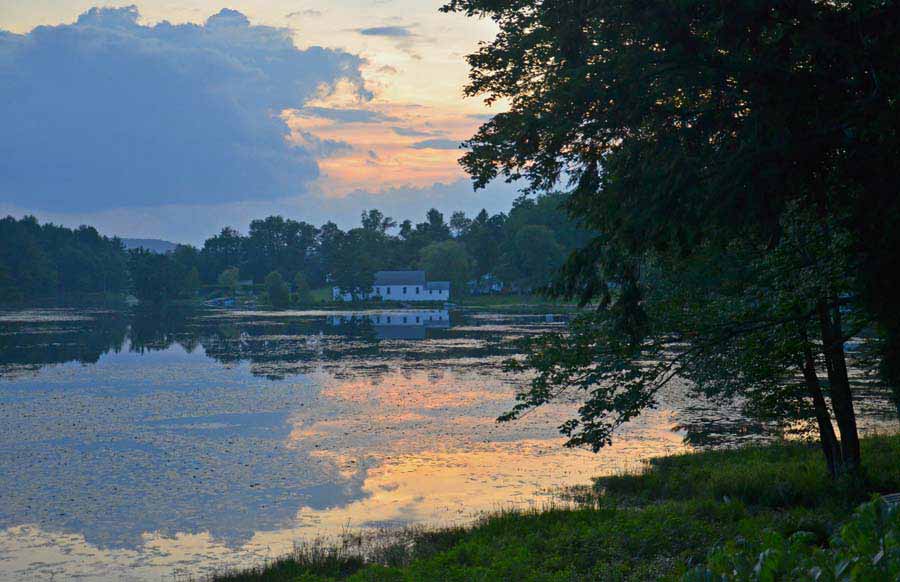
column 404, row 319
column 404, row 290
column 417, row 319
column 388, row 290
column 388, row 318
column 417, row 290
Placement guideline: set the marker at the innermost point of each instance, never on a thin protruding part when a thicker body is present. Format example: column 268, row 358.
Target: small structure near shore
column 401, row 286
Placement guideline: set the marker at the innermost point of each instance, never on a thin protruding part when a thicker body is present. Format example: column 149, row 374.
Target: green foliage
column 743, row 321
column 375, row 220
column 221, row 252
column 447, row 261
column 155, row 278
column 302, row 292
column 775, row 476
column 277, row 290
column 531, row 257
column 356, row 259
column 279, row 244
column 867, row 548
column 229, row 278
column 192, row 282
column 48, row 261
column 694, row 132
column 483, row 237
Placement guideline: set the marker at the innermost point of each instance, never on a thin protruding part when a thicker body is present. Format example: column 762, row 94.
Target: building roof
column 400, row 278
column 437, row 285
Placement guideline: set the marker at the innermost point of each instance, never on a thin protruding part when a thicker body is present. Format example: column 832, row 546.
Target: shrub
column 867, row 548
column 277, row 289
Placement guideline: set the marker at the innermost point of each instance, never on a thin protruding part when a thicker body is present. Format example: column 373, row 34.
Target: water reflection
column 407, row 324
column 139, row 443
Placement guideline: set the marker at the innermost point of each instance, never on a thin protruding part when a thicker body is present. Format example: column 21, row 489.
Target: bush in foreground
column 866, row 549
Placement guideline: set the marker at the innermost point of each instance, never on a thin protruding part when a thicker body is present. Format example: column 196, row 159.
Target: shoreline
column 654, row 524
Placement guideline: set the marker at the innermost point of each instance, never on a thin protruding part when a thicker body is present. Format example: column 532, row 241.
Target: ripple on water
column 139, row 447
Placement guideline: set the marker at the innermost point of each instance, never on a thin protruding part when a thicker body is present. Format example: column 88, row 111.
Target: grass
column 650, row 525
column 501, row 301
column 320, row 295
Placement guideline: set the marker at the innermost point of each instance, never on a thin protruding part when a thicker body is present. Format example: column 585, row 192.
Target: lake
column 153, row 446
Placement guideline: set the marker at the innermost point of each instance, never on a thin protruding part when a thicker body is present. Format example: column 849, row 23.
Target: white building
column 401, row 286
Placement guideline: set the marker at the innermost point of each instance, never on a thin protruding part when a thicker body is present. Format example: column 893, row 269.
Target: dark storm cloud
column 107, row 112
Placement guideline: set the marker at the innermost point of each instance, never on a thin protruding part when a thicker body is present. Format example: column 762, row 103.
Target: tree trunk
column 841, row 395
column 830, row 445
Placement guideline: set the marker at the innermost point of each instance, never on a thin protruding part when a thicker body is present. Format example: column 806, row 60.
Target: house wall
column 398, row 293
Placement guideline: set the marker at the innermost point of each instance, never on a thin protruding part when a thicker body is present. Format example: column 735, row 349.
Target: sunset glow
column 395, row 123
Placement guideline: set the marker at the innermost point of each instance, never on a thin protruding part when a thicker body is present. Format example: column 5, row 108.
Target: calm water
column 150, row 446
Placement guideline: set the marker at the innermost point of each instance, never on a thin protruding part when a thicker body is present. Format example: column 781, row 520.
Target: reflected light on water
column 138, row 448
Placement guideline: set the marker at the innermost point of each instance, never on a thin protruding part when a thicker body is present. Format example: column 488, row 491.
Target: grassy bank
column 649, row 526
column 511, row 301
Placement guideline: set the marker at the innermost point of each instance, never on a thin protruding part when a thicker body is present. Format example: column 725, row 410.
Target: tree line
column 42, row 261
column 520, row 250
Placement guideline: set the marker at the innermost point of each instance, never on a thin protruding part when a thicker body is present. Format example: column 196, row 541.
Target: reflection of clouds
column 424, row 390
column 278, row 426
column 112, row 469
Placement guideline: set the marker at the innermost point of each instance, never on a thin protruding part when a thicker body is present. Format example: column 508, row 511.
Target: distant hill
column 151, row 244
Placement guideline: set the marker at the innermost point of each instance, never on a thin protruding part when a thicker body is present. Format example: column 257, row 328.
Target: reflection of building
column 401, row 286
column 409, row 324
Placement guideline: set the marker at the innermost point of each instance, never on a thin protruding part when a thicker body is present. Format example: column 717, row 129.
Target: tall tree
column 229, row 279
column 483, row 239
column 447, row 260
column 329, row 243
column 683, row 125
column 356, row 261
column 459, row 224
column 279, row 244
column 531, row 257
column 221, row 252
column 50, row 261
column 376, row 220
column 277, row 291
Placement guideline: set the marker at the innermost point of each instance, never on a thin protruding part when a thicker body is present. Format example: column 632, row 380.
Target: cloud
column 391, row 31
column 346, row 115
column 107, row 112
column 322, row 147
column 310, row 12
column 408, row 132
column 436, row 144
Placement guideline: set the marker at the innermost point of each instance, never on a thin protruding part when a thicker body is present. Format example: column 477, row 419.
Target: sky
column 171, row 119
